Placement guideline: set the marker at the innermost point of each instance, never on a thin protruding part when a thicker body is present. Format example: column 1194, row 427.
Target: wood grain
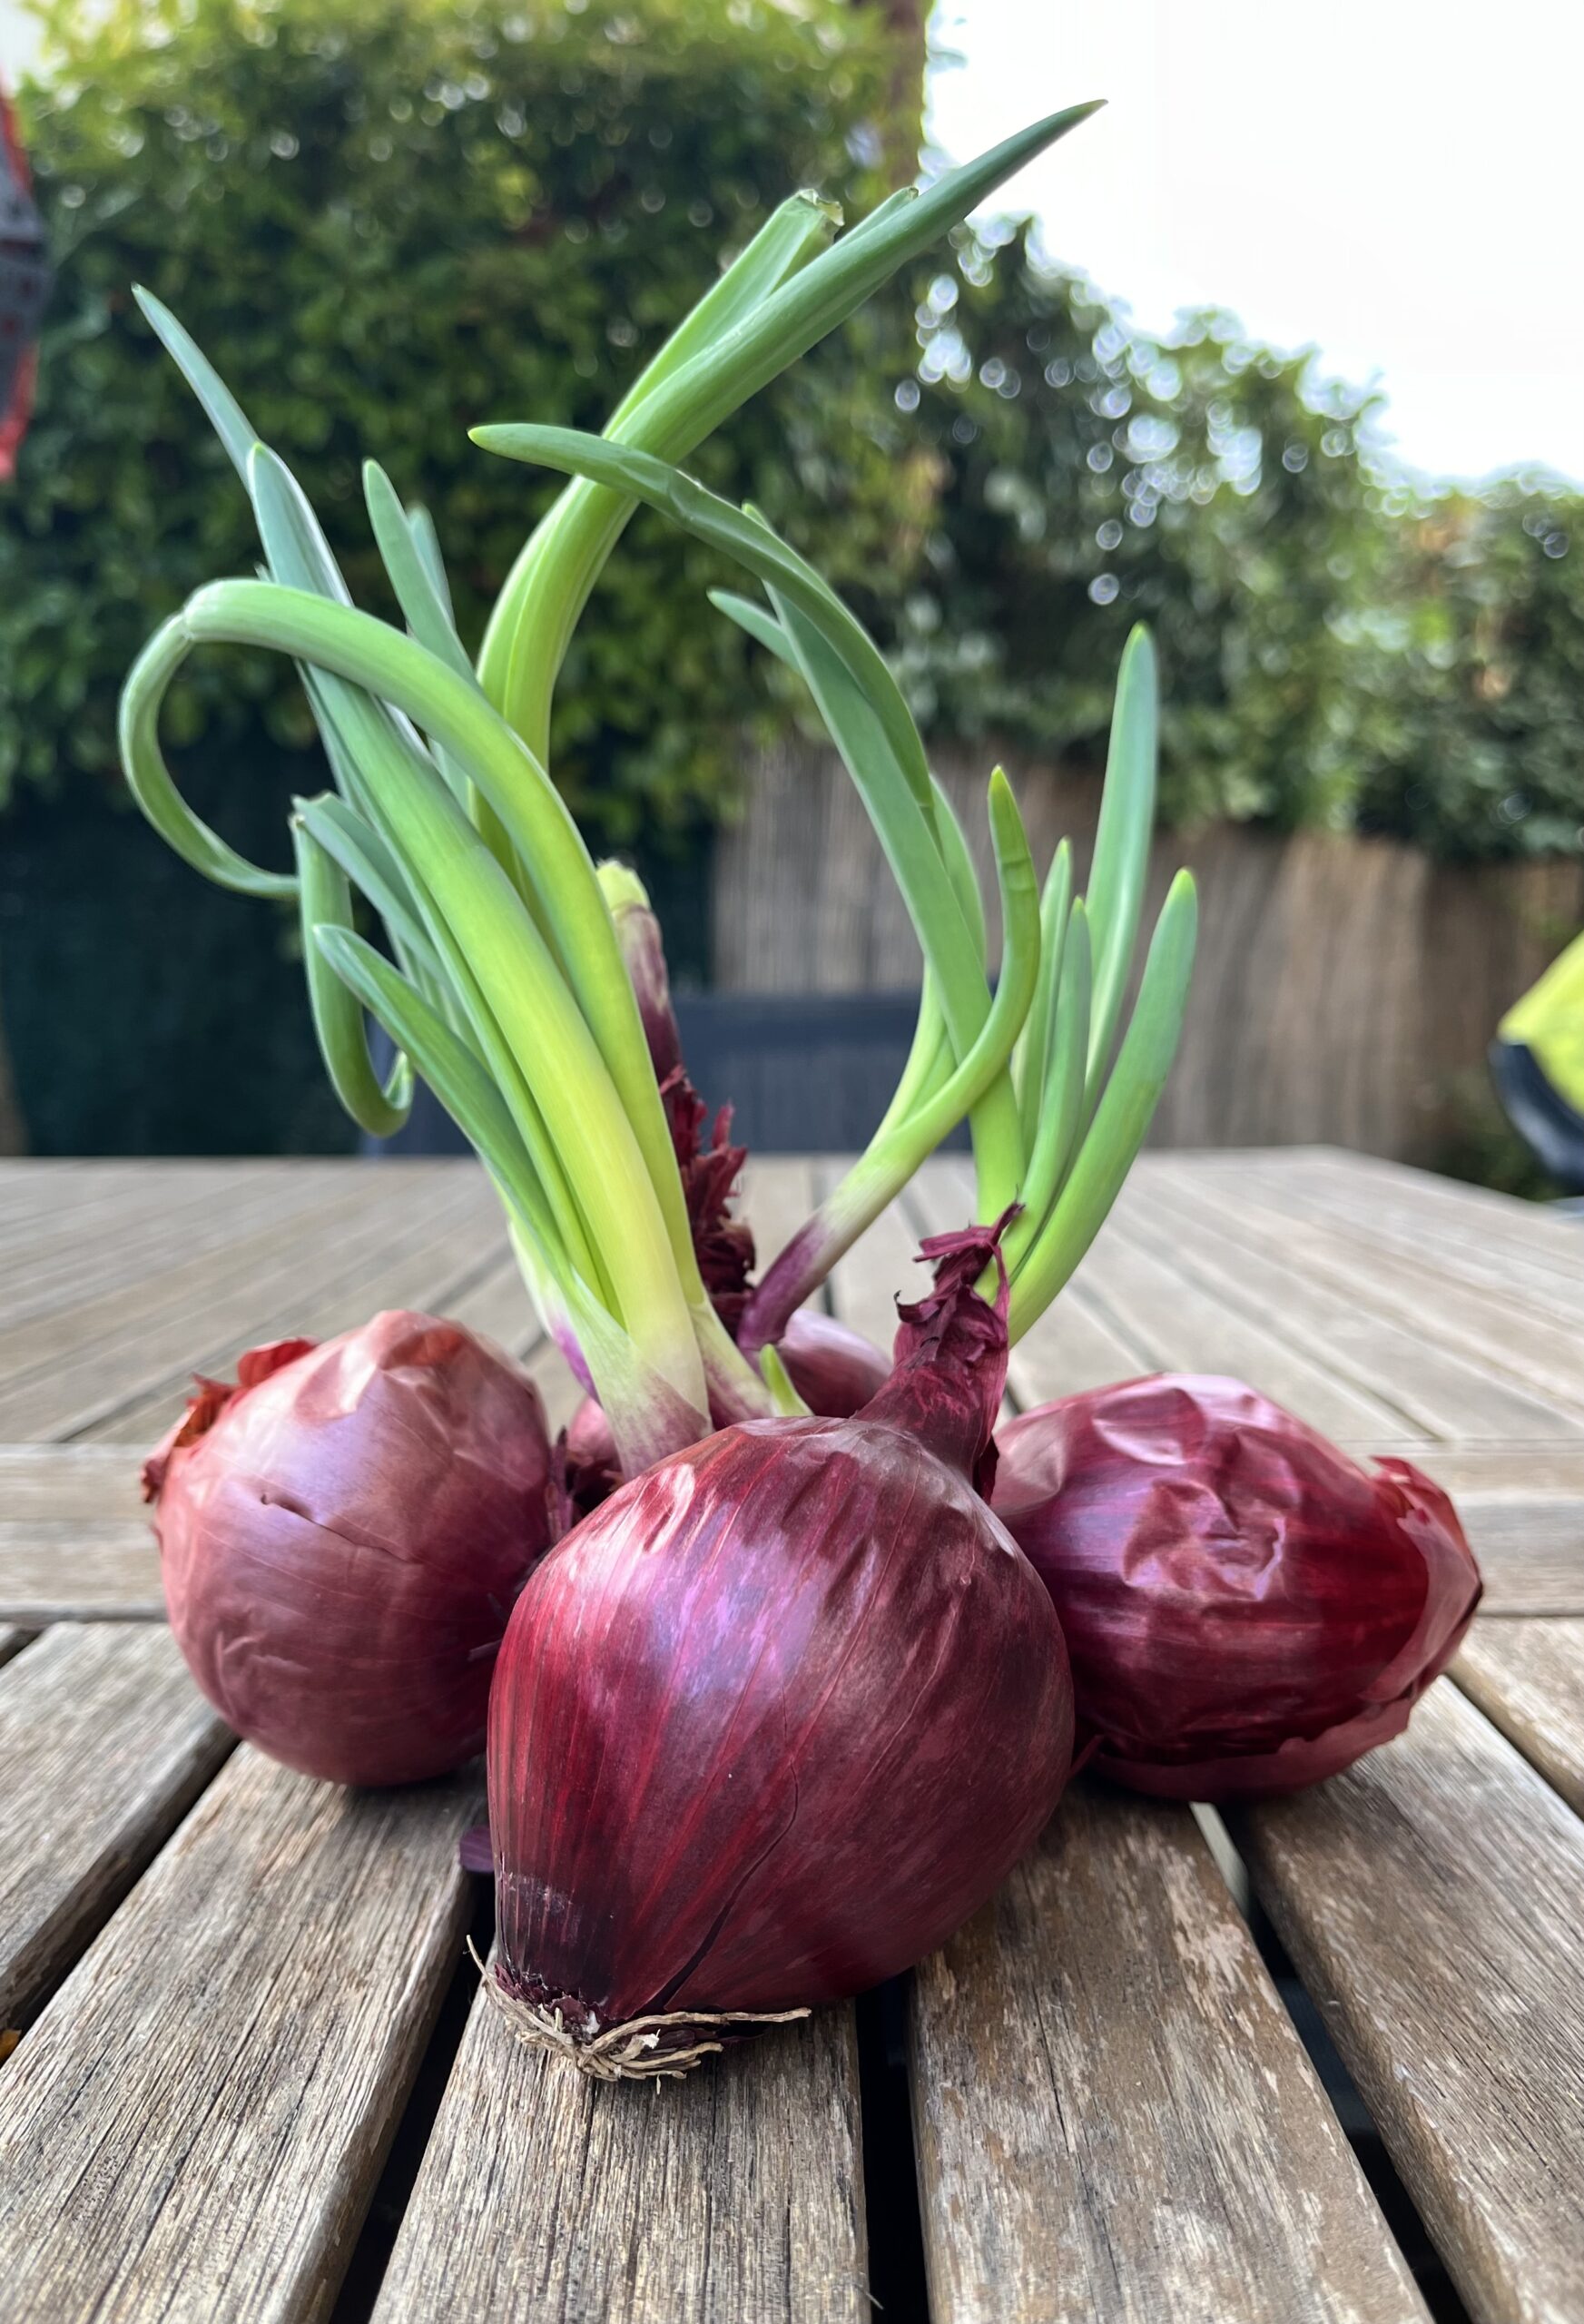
column 77, row 1484
column 192, row 2128
column 75, row 1538
column 1186, row 1324
column 1431, row 1899
column 778, row 1195
column 104, row 1743
column 1523, row 1251
column 1438, row 1393
column 116, row 1363
column 498, row 1306
column 442, row 1244
column 79, row 1573
column 1114, row 2116
column 734, row 2197
column 1537, row 1354
column 84, row 1227
column 1528, row 1677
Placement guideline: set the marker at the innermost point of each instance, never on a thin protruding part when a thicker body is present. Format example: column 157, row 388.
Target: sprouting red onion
column 1246, row 1608
column 776, row 1718
column 343, row 1535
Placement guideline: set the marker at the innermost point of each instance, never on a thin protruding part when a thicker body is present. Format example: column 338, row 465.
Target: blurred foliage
column 384, row 220
column 1340, row 648
column 1475, row 1141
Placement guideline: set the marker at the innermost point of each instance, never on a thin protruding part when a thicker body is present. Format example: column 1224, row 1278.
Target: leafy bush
column 1338, row 647
column 386, row 220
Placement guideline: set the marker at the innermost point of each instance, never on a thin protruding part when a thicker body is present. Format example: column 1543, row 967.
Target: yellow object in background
column 1549, row 1022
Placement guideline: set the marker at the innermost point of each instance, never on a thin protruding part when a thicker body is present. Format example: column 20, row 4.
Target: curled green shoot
column 522, row 1008
column 770, row 307
column 325, row 898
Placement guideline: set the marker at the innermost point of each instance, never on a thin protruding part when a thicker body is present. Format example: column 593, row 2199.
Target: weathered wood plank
column 1530, row 1551
column 193, row 2127
column 146, row 1218
column 1520, row 1250
column 432, row 1253
column 734, row 2197
column 75, row 1538
column 1537, row 1352
column 1449, row 1211
column 104, row 1743
column 1528, row 1677
column 778, row 1195
column 287, row 1250
column 79, row 1573
column 81, row 1485
column 498, row 1306
column 1438, row 1393
column 117, row 1362
column 1431, row 1899
column 1114, row 2113
column 1187, row 1325
column 1496, row 1470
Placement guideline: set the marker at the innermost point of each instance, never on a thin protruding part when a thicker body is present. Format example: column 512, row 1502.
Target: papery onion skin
column 342, row 1538
column 780, row 1715
column 1247, row 1609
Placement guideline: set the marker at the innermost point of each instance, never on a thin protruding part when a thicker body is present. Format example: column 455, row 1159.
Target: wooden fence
column 1346, row 989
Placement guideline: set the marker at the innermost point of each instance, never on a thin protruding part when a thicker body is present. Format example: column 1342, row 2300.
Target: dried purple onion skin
column 1246, row 1608
column 343, row 1537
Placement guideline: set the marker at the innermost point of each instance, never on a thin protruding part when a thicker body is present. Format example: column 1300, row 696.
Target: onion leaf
column 380, row 1109
column 1123, row 1116
column 1115, row 896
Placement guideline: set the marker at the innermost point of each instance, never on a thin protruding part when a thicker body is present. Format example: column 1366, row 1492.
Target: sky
column 1398, row 182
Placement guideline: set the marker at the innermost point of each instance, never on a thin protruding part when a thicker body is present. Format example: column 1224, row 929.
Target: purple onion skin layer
column 342, row 1538
column 1247, row 1609
column 779, row 1715
column 834, row 1369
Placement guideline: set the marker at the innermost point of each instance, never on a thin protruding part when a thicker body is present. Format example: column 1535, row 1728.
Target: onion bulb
column 342, row 1536
column 777, row 1718
column 1247, row 1609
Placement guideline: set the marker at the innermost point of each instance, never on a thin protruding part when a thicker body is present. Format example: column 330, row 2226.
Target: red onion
column 1247, row 1609
column 343, row 1535
column 776, row 1718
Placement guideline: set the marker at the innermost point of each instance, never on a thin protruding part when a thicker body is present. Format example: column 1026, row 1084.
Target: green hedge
column 1339, row 647
column 384, row 220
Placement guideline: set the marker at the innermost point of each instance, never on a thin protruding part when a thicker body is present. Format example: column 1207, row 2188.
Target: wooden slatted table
column 248, row 2074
